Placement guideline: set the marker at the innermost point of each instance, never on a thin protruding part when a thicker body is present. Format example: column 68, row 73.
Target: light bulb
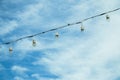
column 107, row 17
column 82, row 28
column 10, row 49
column 33, row 43
column 56, row 34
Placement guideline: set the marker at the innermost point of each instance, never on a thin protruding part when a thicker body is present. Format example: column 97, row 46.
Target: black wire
column 67, row 25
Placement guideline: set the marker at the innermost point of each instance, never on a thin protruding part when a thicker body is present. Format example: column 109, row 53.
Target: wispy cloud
column 18, row 78
column 8, row 27
column 19, row 69
column 1, row 67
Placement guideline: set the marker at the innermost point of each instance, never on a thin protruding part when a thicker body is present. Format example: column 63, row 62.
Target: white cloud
column 19, row 69
column 8, row 27
column 1, row 67
column 18, row 78
column 38, row 77
column 30, row 15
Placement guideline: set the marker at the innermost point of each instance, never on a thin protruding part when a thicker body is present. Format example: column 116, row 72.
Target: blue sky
column 90, row 55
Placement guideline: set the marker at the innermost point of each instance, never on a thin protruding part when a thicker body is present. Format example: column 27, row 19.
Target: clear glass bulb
column 10, row 49
column 82, row 28
column 33, row 43
column 56, row 34
column 107, row 17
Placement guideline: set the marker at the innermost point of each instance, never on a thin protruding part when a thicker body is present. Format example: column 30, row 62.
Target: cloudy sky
column 90, row 55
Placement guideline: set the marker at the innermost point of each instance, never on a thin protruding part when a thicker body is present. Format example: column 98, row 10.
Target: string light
column 57, row 28
column 56, row 34
column 10, row 50
column 33, row 43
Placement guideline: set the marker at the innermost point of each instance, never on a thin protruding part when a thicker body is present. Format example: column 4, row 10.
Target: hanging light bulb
column 33, row 43
column 107, row 17
column 82, row 28
column 10, row 49
column 56, row 34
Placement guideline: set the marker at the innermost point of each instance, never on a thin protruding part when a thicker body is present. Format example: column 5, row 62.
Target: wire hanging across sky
column 57, row 28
